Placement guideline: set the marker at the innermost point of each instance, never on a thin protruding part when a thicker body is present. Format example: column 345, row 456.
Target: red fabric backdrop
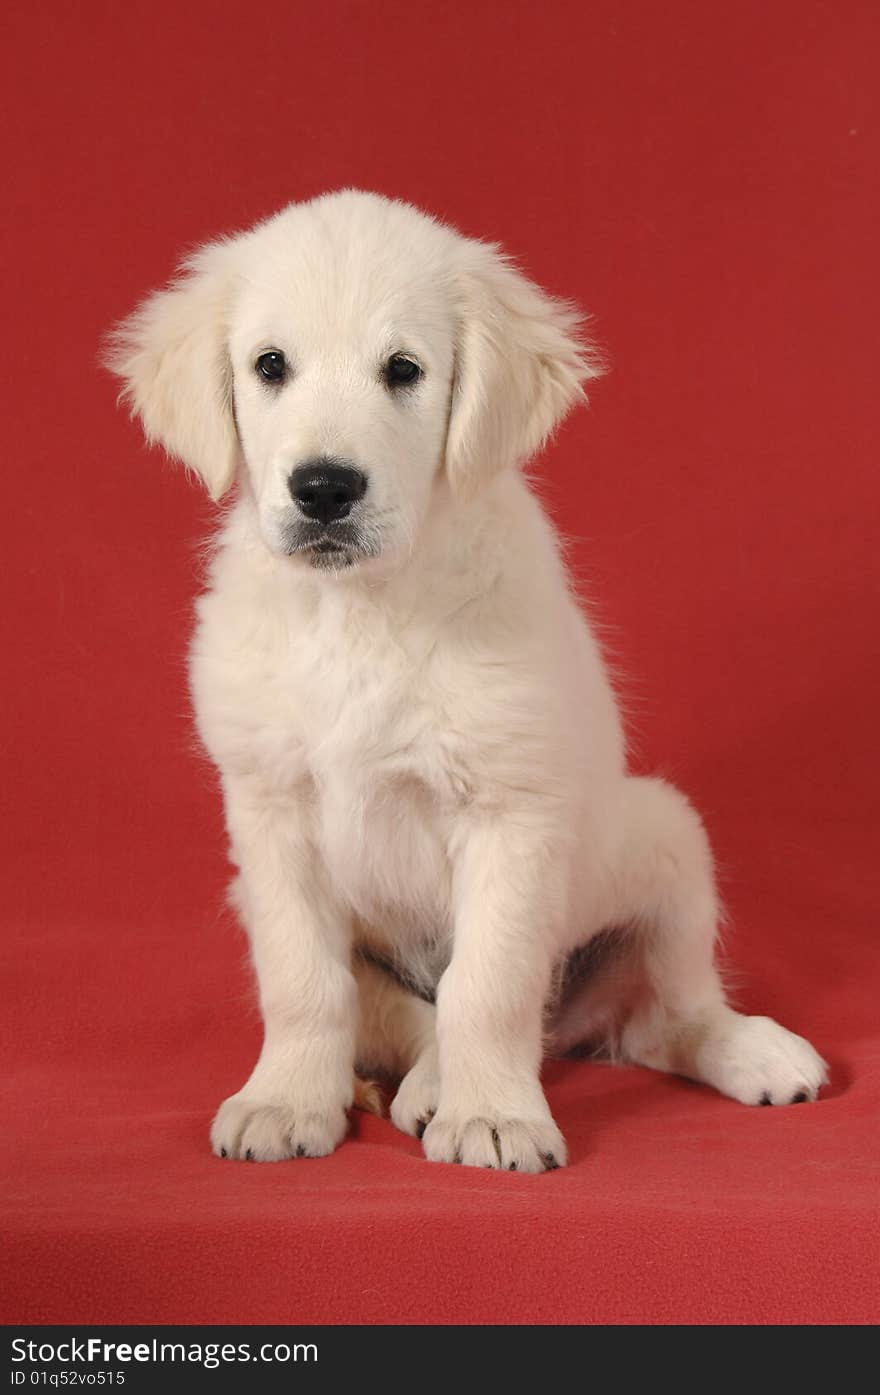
column 703, row 178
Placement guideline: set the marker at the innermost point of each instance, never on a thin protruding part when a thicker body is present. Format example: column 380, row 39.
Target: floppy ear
column 520, row 364
column 172, row 357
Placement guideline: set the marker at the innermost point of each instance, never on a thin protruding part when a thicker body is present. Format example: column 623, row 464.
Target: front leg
column 509, row 901
column 295, row 1102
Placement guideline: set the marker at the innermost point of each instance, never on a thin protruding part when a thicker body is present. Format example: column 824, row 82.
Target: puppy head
column 348, row 360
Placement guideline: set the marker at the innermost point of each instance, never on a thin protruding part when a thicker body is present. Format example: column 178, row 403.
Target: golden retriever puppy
column 444, row 867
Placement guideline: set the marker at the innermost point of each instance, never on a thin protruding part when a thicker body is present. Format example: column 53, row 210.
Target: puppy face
column 341, row 343
column 347, row 360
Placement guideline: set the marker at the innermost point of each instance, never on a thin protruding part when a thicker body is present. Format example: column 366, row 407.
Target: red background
column 703, row 179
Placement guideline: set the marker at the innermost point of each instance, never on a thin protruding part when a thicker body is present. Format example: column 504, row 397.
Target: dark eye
column 401, row 371
column 272, row 366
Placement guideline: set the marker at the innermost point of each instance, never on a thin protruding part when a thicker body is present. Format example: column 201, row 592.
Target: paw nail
column 800, row 1098
column 421, row 1125
column 512, row 1167
column 496, row 1144
column 249, row 1156
column 549, row 1162
column 765, row 1099
column 300, row 1151
column 223, row 1153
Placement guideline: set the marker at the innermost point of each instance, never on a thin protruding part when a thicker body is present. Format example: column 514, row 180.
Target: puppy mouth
column 328, row 547
column 328, row 556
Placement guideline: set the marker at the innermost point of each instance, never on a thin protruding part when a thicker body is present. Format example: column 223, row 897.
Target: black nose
column 325, row 490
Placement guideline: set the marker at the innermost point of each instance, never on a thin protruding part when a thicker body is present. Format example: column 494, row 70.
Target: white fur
column 420, row 752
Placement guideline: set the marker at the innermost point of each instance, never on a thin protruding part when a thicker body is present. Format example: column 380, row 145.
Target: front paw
column 510, row 1145
column 265, row 1130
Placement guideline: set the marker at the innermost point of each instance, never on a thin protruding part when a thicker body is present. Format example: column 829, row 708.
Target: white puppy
column 422, row 761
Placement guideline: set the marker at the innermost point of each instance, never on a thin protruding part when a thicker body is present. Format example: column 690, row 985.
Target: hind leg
column 677, row 1018
column 396, row 1037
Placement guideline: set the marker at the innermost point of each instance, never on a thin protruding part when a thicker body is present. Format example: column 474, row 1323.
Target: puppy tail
column 368, row 1097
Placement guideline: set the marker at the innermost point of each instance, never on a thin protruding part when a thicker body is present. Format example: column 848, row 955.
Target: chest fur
column 337, row 705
